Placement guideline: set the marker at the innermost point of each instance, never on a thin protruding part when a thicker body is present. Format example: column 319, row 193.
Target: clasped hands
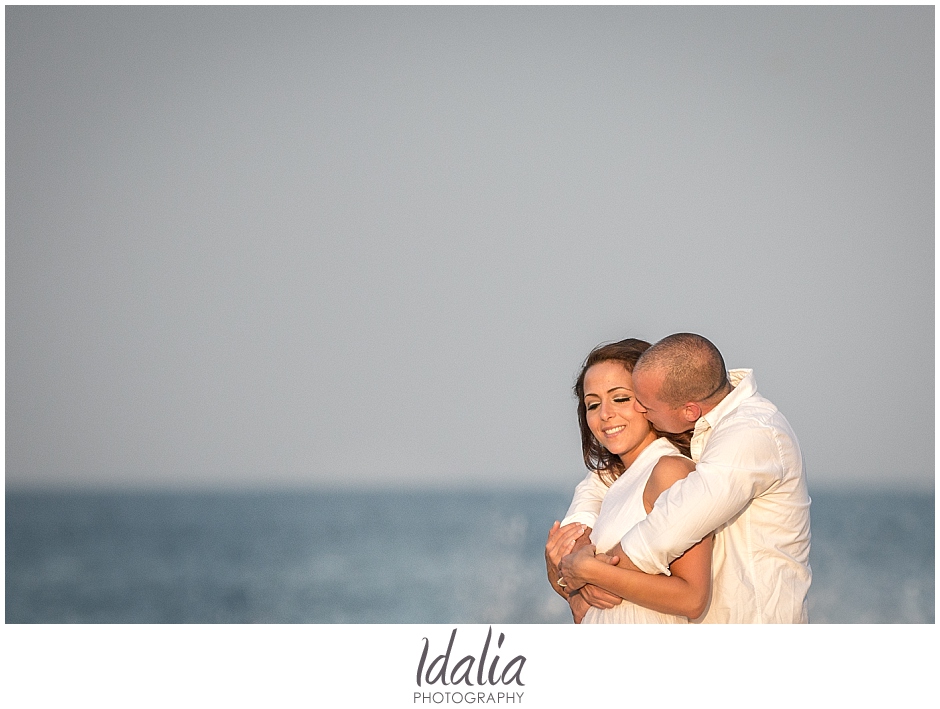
column 568, row 555
column 575, row 567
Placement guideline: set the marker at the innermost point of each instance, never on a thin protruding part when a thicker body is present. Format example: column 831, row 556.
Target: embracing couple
column 695, row 508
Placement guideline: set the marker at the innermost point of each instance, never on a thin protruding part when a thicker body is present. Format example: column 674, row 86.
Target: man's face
column 646, row 387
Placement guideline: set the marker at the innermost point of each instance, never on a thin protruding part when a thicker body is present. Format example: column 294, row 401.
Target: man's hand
column 598, row 597
column 578, row 606
column 620, row 559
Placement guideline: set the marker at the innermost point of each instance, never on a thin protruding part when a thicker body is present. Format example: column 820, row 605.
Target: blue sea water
column 396, row 557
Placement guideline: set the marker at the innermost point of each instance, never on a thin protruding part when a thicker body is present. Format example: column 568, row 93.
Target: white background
column 374, row 666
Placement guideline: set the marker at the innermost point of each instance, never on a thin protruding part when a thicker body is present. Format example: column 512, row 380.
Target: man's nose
column 638, row 408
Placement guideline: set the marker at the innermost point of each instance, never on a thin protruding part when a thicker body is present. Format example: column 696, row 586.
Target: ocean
column 388, row 557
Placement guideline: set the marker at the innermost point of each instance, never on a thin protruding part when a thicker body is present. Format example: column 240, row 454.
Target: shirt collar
column 744, row 386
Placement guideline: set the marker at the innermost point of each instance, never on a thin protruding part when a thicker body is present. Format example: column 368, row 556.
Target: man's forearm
column 684, row 515
column 586, row 504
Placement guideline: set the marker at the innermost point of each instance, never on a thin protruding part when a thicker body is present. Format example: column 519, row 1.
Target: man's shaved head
column 691, row 367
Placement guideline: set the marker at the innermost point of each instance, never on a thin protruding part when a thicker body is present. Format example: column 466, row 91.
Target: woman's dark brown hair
column 609, row 466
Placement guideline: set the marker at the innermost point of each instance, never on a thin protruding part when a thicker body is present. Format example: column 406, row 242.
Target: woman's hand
column 576, row 567
column 561, row 541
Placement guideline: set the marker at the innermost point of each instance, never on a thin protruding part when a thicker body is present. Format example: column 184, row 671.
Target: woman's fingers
column 561, row 540
column 561, row 537
column 557, row 532
column 571, row 566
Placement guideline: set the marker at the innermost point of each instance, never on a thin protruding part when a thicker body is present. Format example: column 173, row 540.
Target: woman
column 637, row 463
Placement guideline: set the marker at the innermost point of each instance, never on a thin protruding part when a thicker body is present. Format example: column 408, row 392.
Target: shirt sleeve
column 586, row 504
column 740, row 463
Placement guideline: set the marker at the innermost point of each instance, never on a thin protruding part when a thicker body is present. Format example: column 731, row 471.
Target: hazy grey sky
column 371, row 246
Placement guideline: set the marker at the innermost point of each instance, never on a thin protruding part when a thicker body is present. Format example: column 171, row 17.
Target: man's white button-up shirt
column 749, row 487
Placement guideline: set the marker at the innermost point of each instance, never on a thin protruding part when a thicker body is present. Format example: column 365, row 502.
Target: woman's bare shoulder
column 668, row 470
column 673, row 467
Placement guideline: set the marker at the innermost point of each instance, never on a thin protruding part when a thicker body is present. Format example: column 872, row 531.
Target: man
column 748, row 486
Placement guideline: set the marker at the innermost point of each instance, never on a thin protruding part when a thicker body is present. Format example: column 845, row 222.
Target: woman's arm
column 686, row 592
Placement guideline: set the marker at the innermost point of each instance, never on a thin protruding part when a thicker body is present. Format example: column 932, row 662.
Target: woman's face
column 608, row 398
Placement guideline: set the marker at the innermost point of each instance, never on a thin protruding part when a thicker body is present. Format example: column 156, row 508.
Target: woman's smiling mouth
column 613, row 431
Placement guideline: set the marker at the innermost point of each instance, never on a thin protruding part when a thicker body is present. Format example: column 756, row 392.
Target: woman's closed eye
column 591, row 405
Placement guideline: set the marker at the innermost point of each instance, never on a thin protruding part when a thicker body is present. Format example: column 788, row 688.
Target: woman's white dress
column 622, row 508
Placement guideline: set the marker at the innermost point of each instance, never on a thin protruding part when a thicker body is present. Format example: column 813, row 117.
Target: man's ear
column 692, row 412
